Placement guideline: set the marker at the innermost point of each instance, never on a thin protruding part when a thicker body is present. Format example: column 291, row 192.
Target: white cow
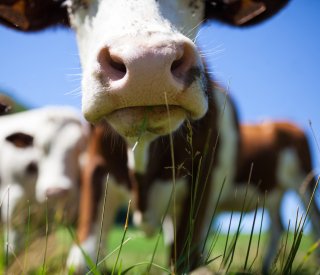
column 40, row 152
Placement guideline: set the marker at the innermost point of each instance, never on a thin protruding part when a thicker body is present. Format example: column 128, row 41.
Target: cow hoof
column 76, row 262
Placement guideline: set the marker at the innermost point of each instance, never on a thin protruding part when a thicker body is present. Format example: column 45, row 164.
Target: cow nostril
column 117, row 64
column 112, row 65
column 183, row 64
column 175, row 65
column 32, row 168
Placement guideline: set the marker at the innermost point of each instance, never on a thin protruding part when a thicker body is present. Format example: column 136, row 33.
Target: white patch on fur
column 60, row 166
column 105, row 19
column 226, row 155
column 158, row 200
column 138, row 30
column 289, row 173
column 10, row 195
column 76, row 260
column 138, row 156
column 235, row 198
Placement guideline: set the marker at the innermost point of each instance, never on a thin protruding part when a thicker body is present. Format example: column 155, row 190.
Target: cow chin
column 150, row 121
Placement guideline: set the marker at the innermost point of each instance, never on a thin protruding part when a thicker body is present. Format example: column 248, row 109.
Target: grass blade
column 123, row 238
column 251, row 233
column 102, row 219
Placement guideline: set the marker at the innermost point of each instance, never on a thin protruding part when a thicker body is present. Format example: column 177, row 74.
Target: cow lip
column 153, row 120
column 150, row 108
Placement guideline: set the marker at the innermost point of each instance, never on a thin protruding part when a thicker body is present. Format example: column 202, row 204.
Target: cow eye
column 20, row 140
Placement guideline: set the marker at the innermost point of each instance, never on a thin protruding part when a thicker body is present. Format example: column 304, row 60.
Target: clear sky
column 272, row 70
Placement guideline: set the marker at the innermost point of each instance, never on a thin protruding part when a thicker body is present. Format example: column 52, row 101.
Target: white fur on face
column 14, row 162
column 59, row 167
column 136, row 30
column 99, row 22
column 55, row 150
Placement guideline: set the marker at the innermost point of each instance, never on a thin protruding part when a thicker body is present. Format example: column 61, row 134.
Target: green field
column 137, row 252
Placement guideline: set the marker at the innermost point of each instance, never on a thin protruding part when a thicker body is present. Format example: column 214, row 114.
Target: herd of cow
column 163, row 133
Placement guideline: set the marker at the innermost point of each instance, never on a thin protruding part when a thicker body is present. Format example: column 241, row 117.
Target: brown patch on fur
column 243, row 12
column 31, row 15
column 261, row 144
column 106, row 153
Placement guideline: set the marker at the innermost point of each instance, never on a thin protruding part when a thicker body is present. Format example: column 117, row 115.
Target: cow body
column 281, row 159
column 40, row 151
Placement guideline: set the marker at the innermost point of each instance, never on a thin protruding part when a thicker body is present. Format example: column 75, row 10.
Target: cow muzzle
column 139, row 80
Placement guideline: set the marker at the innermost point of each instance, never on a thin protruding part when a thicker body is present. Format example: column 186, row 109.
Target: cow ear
column 32, row 15
column 243, row 12
column 20, row 140
column 4, row 108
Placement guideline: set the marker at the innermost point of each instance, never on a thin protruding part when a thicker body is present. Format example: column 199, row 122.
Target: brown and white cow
column 281, row 159
column 139, row 59
column 40, row 155
column 195, row 167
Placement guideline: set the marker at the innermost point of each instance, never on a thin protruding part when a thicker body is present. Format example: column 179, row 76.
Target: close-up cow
column 144, row 78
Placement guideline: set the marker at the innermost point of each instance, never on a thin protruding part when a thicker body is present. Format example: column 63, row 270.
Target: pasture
column 137, row 252
column 129, row 251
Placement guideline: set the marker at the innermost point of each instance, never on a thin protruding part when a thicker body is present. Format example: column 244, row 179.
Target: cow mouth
column 156, row 120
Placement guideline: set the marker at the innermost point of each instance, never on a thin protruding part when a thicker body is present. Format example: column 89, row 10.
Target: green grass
column 138, row 249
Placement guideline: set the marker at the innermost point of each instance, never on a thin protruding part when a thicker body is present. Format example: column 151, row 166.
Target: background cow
column 39, row 159
column 138, row 67
column 281, row 159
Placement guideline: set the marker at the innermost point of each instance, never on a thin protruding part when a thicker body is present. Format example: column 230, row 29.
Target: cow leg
column 90, row 195
column 314, row 212
column 193, row 224
column 9, row 198
column 273, row 203
column 90, row 222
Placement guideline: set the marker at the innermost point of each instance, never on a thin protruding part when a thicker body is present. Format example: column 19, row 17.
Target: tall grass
column 227, row 258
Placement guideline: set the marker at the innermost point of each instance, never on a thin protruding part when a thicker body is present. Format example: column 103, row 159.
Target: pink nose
column 57, row 192
column 170, row 61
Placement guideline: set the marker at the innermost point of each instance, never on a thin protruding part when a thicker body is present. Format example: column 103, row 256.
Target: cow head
column 139, row 57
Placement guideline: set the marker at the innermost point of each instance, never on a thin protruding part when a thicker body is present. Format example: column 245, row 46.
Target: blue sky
column 272, row 70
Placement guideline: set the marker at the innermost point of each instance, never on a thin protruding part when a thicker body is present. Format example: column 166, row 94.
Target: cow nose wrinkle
column 111, row 65
column 183, row 64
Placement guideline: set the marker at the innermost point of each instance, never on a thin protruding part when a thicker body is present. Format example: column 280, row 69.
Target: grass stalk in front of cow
column 298, row 233
column 122, row 241
column 27, row 238
column 46, row 239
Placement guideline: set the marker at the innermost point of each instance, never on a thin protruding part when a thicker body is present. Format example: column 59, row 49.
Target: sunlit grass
column 137, row 252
